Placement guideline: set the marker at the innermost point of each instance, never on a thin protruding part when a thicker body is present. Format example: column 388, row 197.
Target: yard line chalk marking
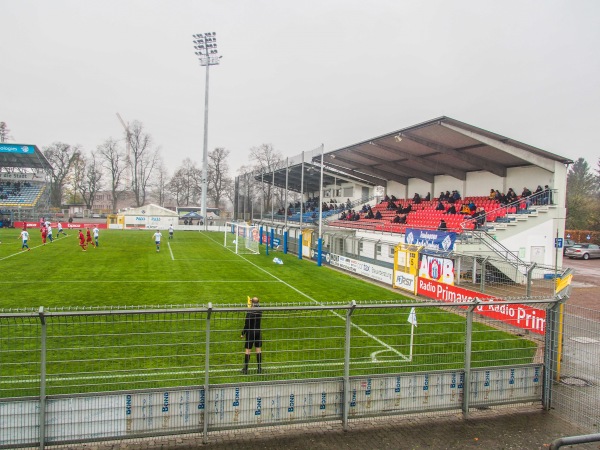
column 365, row 332
column 170, row 251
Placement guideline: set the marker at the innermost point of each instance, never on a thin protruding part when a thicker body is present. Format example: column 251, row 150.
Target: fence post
column 529, row 277
column 346, row 395
column 468, row 347
column 42, row 416
column 550, row 350
column 206, row 373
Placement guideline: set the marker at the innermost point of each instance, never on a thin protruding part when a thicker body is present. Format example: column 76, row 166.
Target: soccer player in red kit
column 88, row 238
column 44, row 232
column 82, row 240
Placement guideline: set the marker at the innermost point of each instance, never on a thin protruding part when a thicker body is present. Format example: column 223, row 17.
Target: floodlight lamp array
column 206, row 44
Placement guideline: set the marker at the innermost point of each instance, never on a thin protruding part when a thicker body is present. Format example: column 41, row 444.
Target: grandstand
column 24, row 183
column 441, row 155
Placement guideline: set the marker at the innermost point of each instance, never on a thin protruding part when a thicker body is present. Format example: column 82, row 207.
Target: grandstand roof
column 441, row 146
column 22, row 156
column 312, row 177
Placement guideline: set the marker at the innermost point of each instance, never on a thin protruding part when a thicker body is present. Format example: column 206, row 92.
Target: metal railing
column 82, row 376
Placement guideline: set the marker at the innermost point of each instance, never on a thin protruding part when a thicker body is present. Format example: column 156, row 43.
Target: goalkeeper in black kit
column 252, row 333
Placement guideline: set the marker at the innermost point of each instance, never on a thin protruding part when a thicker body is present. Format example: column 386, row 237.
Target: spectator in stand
column 428, row 197
column 456, row 196
column 464, row 209
column 511, row 196
column 378, row 215
column 396, row 219
column 370, row 214
column 442, row 197
column 442, row 225
column 547, row 197
column 343, row 215
column 386, row 199
column 348, row 204
column 440, row 206
column 538, row 195
column 406, row 209
column 472, row 207
column 526, row 193
column 391, row 205
column 451, row 210
column 416, row 199
column 492, row 195
column 479, row 217
column 500, row 197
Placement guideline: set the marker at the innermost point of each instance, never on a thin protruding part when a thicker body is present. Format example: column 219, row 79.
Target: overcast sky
column 296, row 74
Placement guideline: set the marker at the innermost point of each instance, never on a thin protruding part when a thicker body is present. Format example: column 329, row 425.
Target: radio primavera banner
column 521, row 316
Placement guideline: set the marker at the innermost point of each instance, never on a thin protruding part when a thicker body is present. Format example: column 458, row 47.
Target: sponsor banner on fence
column 64, row 225
column 365, row 269
column 521, row 316
column 431, row 239
column 436, row 269
column 404, row 281
column 115, row 415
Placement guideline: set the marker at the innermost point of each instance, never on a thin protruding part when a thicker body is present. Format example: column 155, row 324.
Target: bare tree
column 61, row 157
column 185, row 184
column 219, row 181
column 114, row 163
column 143, row 161
column 246, row 199
column 160, row 183
column 266, row 159
column 92, row 180
column 4, row 132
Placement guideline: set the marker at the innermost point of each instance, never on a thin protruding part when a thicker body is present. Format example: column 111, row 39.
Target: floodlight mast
column 205, row 45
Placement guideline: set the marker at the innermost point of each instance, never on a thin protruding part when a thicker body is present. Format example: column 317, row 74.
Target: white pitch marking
column 235, row 371
column 37, row 246
column 366, row 333
column 136, row 281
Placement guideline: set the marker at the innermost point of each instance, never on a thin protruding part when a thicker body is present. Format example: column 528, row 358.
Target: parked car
column 568, row 243
column 583, row 251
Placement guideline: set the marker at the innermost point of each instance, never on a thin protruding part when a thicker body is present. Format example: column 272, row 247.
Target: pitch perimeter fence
column 74, row 376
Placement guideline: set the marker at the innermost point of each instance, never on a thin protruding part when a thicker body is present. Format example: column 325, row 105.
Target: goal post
column 241, row 238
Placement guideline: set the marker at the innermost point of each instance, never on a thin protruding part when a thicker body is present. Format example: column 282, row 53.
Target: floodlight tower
column 207, row 53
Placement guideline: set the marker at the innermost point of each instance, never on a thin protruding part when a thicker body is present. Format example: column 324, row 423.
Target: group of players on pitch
column 47, row 236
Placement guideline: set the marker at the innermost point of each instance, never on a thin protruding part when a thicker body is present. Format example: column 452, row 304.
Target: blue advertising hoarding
column 431, row 239
column 17, row 148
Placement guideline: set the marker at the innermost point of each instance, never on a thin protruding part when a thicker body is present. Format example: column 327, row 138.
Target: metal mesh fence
column 121, row 350
column 576, row 371
column 119, row 373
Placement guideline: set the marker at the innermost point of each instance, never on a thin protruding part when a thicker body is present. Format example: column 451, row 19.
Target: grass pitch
column 125, row 352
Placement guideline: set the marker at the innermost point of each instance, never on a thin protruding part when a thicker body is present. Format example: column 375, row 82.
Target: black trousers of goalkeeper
column 253, row 339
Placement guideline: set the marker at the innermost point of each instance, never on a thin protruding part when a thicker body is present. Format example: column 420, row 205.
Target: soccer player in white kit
column 96, row 232
column 157, row 237
column 60, row 229
column 25, row 237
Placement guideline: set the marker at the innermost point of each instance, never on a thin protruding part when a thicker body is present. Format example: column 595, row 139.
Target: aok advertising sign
column 521, row 316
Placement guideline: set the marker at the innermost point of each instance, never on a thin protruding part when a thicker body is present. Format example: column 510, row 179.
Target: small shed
column 148, row 217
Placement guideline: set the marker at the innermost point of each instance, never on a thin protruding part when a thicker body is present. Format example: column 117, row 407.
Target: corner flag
column 412, row 317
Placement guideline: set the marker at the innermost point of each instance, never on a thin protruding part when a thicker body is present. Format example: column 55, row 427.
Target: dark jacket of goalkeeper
column 253, row 335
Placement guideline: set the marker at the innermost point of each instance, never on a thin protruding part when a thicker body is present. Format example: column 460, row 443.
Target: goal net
column 241, row 238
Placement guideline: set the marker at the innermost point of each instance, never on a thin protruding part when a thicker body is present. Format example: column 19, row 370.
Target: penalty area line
column 353, row 325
